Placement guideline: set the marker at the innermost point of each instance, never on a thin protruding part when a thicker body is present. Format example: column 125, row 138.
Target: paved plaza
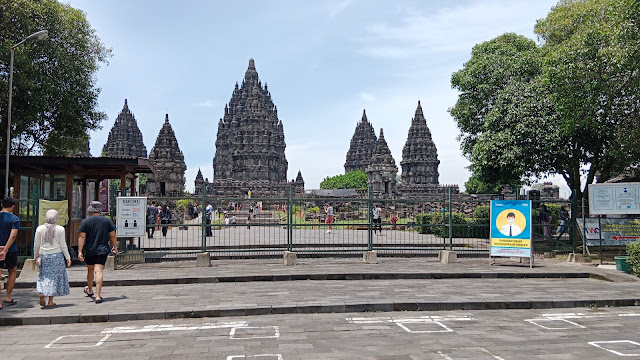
column 575, row 333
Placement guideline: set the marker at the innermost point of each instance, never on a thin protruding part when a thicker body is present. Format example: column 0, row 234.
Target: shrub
column 481, row 212
column 314, row 209
column 633, row 251
column 424, row 218
column 457, row 219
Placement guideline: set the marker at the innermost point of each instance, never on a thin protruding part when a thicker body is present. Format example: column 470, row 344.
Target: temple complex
column 168, row 161
column 419, row 159
column 361, row 148
column 250, row 143
column 382, row 169
column 125, row 138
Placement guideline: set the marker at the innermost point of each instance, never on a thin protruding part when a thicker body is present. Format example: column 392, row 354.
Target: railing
column 422, row 228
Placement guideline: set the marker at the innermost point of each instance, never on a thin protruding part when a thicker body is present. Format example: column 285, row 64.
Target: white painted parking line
column 414, row 328
column 268, row 356
column 254, row 332
column 550, row 323
column 56, row 344
column 385, row 319
column 169, row 327
column 618, row 347
column 479, row 352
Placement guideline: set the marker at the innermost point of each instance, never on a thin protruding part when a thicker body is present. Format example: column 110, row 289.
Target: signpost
column 131, row 216
column 614, row 199
column 511, row 229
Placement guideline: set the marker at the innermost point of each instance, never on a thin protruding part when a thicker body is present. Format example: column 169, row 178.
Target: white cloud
column 455, row 28
column 208, row 103
column 336, row 8
column 366, row 97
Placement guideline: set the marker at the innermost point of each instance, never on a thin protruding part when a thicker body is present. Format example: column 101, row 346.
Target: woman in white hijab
column 50, row 252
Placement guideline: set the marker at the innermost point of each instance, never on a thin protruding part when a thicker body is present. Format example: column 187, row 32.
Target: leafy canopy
column 55, row 97
column 567, row 106
column 355, row 179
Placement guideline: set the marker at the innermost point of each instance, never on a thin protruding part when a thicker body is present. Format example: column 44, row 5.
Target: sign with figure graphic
column 511, row 228
column 620, row 198
column 131, row 216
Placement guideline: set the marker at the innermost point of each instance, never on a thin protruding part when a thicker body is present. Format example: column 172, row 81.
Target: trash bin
column 621, row 264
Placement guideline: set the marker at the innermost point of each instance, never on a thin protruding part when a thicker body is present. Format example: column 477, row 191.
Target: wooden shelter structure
column 73, row 178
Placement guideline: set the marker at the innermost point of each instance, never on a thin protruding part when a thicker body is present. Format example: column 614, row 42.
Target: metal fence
column 265, row 227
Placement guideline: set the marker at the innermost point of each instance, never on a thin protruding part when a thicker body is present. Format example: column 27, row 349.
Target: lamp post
column 40, row 35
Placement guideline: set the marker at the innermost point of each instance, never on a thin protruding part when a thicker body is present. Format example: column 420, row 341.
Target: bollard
column 289, row 258
column 447, row 256
column 203, row 260
column 370, row 257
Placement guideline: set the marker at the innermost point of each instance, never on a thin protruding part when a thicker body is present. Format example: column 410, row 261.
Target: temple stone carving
column 361, row 148
column 168, row 161
column 125, row 138
column 250, row 143
column 419, row 159
column 382, row 169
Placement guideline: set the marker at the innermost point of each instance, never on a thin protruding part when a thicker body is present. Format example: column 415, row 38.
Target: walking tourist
column 96, row 232
column 152, row 219
column 233, row 219
column 563, row 214
column 226, row 218
column 208, row 213
column 51, row 254
column 329, row 220
column 249, row 194
column 377, row 220
column 165, row 219
column 249, row 220
column 9, row 226
column 545, row 219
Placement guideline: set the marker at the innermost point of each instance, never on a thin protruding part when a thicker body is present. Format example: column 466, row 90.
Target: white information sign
column 620, row 198
column 131, row 216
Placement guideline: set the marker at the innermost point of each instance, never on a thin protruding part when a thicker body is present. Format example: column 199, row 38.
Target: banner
column 62, row 207
column 131, row 216
column 511, row 228
column 615, row 232
column 103, row 195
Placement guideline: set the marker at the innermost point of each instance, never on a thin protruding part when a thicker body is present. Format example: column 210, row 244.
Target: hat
column 95, row 207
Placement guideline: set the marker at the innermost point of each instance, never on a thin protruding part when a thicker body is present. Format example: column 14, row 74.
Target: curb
column 315, row 308
column 336, row 276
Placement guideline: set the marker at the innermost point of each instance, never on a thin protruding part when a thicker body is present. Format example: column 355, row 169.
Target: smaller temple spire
column 166, row 118
column 364, row 116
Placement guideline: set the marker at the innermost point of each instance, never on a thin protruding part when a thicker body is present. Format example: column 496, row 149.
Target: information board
column 614, row 232
column 131, row 216
column 511, row 228
column 620, row 198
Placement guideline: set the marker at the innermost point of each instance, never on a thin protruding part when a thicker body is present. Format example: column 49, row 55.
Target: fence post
column 450, row 220
column 36, row 216
column 584, row 231
column 290, row 218
column 369, row 227
column 204, row 214
column 573, row 227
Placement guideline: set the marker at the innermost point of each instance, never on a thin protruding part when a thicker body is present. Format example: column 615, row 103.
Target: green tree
column 475, row 186
column 355, row 179
column 568, row 106
column 55, row 97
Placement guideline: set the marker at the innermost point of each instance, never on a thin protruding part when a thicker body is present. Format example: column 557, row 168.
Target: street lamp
column 40, row 35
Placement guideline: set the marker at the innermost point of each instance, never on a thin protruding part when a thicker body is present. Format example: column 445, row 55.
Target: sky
column 324, row 62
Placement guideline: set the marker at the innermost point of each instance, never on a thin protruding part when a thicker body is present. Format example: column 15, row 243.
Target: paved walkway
column 247, row 287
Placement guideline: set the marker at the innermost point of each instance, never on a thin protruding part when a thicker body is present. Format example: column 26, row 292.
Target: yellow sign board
column 516, row 243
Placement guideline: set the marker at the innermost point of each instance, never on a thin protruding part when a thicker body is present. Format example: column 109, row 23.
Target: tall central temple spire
column 250, row 142
column 362, row 145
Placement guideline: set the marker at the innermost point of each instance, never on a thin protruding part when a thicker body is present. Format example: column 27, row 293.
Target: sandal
column 98, row 301
column 42, row 303
column 10, row 302
column 86, row 291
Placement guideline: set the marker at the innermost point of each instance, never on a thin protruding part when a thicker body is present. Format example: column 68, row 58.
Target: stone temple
column 168, row 161
column 125, row 138
column 250, row 144
column 382, row 169
column 362, row 145
column 419, row 159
